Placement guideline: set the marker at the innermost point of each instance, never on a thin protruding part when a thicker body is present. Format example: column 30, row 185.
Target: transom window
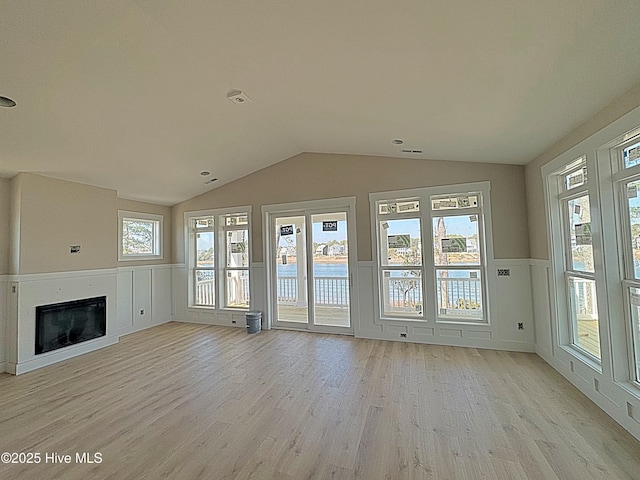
column 219, row 258
column 439, row 274
column 140, row 236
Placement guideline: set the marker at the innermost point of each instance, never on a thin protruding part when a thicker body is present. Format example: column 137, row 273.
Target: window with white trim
column 219, row 258
column 400, row 258
column 458, row 244
column 627, row 185
column 573, row 197
column 447, row 284
column 139, row 236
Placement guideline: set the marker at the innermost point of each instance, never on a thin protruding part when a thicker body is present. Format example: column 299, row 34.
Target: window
column 236, row 269
column 140, row 236
column 448, row 282
column 578, row 285
column 627, row 183
column 593, row 211
column 219, row 258
column 400, row 248
column 203, row 272
column 458, row 255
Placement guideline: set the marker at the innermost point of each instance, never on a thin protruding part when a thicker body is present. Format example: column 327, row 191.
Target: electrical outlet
column 403, row 335
column 520, row 326
column 142, row 312
column 233, row 321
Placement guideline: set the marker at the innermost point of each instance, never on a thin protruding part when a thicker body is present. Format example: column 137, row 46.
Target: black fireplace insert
column 62, row 324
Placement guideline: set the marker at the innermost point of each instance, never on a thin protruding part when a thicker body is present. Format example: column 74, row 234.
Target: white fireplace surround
column 25, row 292
column 137, row 298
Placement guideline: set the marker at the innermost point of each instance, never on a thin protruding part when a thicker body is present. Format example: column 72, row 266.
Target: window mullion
column 429, row 281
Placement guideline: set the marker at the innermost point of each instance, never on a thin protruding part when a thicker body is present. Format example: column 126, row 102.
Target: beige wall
column 5, row 237
column 318, row 176
column 14, row 224
column 53, row 214
column 142, row 207
column 535, row 192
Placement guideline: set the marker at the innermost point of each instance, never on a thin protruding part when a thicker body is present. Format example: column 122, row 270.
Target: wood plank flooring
column 184, row 401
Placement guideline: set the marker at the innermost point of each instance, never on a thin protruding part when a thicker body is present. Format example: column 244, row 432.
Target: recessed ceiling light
column 238, row 97
column 205, row 173
column 397, row 141
column 7, row 102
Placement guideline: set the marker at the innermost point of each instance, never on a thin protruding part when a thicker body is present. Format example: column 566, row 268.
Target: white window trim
column 430, row 313
column 158, row 233
column 558, row 197
column 220, row 267
column 598, row 148
column 622, row 342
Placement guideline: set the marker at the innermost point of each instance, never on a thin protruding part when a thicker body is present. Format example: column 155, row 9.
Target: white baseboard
column 62, row 354
column 449, row 342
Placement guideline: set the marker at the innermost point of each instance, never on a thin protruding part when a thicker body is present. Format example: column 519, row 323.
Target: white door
column 310, row 261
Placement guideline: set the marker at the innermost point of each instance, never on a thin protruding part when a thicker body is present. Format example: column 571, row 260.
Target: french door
column 310, row 265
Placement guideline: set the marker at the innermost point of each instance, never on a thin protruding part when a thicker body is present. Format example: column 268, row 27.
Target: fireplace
column 62, row 324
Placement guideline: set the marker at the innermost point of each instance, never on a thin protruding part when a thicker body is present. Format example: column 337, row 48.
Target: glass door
column 291, row 270
column 330, row 269
column 310, row 269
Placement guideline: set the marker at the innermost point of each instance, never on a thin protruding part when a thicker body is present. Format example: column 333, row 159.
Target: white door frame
column 307, row 208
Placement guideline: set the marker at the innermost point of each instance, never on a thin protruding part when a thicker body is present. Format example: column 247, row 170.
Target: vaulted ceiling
column 132, row 94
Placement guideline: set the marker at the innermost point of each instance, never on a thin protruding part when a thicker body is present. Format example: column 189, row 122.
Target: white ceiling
column 131, row 95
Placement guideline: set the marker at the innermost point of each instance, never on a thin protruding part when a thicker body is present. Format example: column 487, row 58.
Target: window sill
column 631, row 388
column 216, row 309
column 395, row 320
column 460, row 321
column 583, row 358
column 140, row 258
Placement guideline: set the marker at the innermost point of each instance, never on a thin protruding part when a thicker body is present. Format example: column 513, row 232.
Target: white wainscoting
column 137, row 298
column 144, row 297
column 259, row 293
column 541, row 308
column 4, row 312
column 510, row 304
column 25, row 292
column 617, row 398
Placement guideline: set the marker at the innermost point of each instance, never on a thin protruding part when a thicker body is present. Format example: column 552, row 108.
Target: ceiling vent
column 238, row 97
column 211, row 180
column 409, row 150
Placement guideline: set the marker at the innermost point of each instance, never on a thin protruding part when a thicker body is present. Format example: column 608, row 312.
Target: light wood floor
column 184, row 401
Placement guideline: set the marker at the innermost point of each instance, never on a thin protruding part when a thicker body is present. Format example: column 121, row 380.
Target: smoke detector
column 238, row 97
